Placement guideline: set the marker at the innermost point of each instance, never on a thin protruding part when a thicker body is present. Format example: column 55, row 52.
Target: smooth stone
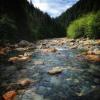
column 74, row 47
column 55, row 70
column 92, row 58
column 21, row 58
column 50, row 50
column 3, row 51
column 10, row 95
column 21, row 49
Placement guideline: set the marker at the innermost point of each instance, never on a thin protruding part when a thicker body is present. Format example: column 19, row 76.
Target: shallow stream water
column 74, row 83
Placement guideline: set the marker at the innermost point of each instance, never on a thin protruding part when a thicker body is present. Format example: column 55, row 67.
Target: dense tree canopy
column 22, row 19
column 79, row 9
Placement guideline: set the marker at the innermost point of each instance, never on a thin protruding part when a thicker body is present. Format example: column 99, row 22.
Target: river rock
column 10, row 95
column 97, row 42
column 13, row 59
column 25, row 43
column 92, row 58
column 24, row 82
column 50, row 50
column 95, row 70
column 71, row 40
column 94, row 52
column 55, row 70
column 3, row 51
column 21, row 49
column 72, row 43
column 74, row 47
column 88, row 42
column 19, row 59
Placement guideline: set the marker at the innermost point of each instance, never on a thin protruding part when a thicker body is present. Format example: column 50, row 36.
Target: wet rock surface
column 10, row 95
column 73, row 76
column 55, row 70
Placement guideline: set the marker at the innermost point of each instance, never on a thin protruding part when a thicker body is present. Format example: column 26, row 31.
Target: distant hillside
column 82, row 7
column 20, row 20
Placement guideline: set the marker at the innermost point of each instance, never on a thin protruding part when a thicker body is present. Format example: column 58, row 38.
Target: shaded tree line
column 19, row 20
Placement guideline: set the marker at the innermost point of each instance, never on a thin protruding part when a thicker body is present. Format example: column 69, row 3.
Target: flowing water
column 74, row 83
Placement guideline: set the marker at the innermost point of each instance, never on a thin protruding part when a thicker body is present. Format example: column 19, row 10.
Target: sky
column 53, row 7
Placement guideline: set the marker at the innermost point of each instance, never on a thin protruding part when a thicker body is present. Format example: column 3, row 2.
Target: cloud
column 53, row 7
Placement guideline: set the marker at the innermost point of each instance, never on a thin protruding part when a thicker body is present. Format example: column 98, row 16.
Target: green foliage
column 86, row 26
column 7, row 27
column 76, row 29
column 82, row 7
column 96, row 25
column 89, row 22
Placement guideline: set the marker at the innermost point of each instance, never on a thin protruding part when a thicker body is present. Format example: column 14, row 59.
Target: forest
column 19, row 18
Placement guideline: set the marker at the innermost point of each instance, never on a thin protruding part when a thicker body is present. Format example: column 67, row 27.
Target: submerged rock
column 55, row 70
column 92, row 95
column 38, row 62
column 94, row 70
column 30, row 95
column 55, row 81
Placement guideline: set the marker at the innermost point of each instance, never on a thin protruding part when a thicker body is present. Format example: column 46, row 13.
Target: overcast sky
column 53, row 7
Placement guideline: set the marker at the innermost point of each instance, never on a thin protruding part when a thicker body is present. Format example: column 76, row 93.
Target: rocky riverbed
column 51, row 69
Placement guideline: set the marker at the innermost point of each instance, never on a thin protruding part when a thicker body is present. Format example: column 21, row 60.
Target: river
column 75, row 82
